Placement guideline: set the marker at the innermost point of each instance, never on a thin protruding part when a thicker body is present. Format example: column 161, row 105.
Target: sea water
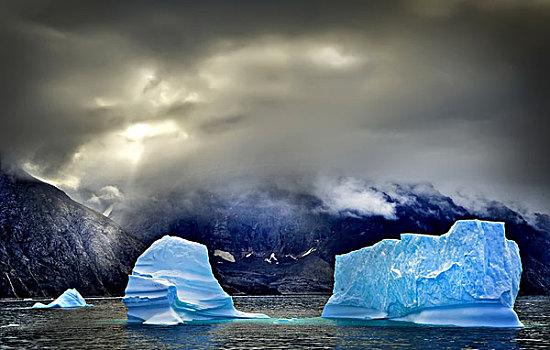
column 295, row 324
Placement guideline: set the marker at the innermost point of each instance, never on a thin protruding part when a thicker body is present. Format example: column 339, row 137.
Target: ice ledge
column 474, row 315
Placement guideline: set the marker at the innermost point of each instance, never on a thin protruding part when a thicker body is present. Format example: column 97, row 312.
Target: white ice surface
column 172, row 282
column 467, row 277
column 69, row 299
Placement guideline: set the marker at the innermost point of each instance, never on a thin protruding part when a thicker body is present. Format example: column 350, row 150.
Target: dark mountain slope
column 49, row 243
column 285, row 241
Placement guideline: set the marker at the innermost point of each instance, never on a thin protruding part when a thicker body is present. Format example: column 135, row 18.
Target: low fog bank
column 301, row 201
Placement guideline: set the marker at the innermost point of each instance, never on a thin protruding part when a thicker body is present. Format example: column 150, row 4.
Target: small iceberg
column 467, row 277
column 71, row 298
column 172, row 282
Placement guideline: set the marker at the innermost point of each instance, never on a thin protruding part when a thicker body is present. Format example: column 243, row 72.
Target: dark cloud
column 221, row 124
column 147, row 95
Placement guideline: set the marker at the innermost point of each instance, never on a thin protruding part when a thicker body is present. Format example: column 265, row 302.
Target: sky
column 116, row 101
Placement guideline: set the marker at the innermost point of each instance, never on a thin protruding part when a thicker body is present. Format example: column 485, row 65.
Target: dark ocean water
column 295, row 324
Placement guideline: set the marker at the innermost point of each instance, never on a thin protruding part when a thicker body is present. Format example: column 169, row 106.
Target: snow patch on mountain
column 224, row 255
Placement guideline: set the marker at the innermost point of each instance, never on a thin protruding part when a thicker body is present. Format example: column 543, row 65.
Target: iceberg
column 172, row 282
column 69, row 299
column 467, row 277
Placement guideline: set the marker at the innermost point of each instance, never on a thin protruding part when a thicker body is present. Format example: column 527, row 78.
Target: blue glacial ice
column 69, row 299
column 172, row 282
column 467, row 277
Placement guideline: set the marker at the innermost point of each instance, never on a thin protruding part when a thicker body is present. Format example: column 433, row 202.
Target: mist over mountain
column 275, row 240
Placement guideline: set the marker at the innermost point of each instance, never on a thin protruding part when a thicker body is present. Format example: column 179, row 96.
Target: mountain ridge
column 267, row 241
column 287, row 224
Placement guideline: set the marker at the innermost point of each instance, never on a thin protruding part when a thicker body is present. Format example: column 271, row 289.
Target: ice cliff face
column 172, row 282
column 467, row 277
column 71, row 298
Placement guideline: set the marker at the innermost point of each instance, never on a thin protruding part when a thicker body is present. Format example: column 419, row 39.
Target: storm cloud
column 147, row 97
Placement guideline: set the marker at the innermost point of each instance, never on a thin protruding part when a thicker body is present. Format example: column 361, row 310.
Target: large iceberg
column 69, row 299
column 172, row 282
column 467, row 277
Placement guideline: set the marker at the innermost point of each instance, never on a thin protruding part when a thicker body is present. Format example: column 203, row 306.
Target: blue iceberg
column 69, row 299
column 467, row 277
column 172, row 282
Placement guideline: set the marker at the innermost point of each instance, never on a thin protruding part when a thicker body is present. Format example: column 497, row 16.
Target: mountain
column 265, row 241
column 274, row 241
column 49, row 243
